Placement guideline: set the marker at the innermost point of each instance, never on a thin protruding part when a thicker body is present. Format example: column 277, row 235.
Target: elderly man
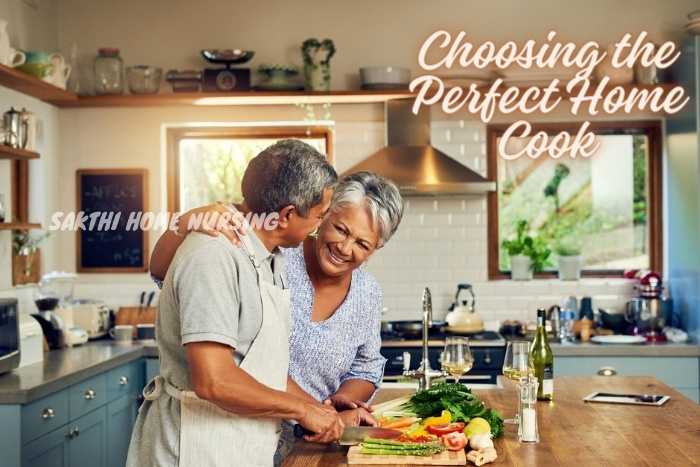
column 223, row 326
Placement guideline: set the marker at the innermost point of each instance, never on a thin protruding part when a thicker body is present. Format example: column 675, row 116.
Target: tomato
column 455, row 441
column 446, row 428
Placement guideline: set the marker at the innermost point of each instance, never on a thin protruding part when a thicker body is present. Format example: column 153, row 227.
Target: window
column 206, row 164
column 607, row 205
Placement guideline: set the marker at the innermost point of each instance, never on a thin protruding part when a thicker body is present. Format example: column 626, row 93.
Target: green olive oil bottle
column 542, row 359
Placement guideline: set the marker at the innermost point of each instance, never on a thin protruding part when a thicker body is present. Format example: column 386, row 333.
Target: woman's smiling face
column 345, row 239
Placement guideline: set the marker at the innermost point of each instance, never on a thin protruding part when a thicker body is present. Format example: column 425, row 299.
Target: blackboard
column 109, row 200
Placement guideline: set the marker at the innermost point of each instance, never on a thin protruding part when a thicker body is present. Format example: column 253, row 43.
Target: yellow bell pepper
column 445, row 417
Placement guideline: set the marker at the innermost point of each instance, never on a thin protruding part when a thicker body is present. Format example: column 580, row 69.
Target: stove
column 488, row 349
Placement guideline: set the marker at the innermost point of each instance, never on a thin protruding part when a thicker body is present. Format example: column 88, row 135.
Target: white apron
column 211, row 436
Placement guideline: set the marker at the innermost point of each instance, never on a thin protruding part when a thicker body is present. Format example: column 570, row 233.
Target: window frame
column 651, row 128
column 175, row 134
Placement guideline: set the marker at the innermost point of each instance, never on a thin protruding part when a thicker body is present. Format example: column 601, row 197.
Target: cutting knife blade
column 354, row 434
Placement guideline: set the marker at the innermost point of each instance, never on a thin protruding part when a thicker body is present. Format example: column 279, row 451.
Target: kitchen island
column 573, row 432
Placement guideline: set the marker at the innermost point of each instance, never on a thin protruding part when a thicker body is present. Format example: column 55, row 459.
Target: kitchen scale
column 227, row 79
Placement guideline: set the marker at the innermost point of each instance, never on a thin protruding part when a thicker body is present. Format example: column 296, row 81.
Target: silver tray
column 636, row 399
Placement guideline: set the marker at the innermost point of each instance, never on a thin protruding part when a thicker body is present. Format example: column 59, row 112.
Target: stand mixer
column 649, row 312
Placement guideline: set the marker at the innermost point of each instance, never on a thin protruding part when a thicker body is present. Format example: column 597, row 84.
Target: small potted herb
column 278, row 72
column 26, row 257
column 527, row 253
column 568, row 254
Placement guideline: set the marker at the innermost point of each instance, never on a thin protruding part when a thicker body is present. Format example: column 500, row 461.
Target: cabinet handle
column 89, row 394
column 70, row 434
column 487, row 358
column 123, row 381
column 48, row 413
column 76, row 431
column 607, row 371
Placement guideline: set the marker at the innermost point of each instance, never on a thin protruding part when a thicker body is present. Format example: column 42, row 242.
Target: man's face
column 301, row 227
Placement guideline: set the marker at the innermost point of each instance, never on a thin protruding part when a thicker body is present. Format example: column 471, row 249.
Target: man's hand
column 324, row 421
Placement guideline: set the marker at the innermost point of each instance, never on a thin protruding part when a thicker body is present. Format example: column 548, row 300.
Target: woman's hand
column 341, row 403
column 213, row 220
column 358, row 417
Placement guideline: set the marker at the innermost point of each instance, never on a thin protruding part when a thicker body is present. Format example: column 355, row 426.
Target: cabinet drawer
column 87, row 395
column 126, row 379
column 44, row 415
column 677, row 372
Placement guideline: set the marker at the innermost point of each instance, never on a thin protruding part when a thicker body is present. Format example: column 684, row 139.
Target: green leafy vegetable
column 458, row 399
column 495, row 419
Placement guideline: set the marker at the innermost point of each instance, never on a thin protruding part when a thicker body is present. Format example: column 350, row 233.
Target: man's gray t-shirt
column 211, row 294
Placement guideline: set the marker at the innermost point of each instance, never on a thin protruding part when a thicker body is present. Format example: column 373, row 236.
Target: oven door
column 488, row 364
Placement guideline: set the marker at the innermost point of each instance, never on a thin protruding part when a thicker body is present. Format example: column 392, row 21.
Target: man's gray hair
column 377, row 195
column 290, row 172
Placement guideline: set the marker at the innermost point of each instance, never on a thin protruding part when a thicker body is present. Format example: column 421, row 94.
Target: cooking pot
column 414, row 328
column 462, row 318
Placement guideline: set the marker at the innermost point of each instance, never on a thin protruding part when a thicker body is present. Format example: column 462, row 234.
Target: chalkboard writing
column 107, row 200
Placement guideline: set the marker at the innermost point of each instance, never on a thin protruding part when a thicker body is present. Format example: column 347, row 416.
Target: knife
column 143, row 297
column 354, row 434
column 150, row 299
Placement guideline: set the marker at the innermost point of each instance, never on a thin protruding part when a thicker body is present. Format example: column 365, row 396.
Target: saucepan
column 415, row 328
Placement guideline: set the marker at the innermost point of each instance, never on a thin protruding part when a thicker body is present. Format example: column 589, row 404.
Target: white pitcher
column 8, row 55
column 61, row 71
column 31, row 129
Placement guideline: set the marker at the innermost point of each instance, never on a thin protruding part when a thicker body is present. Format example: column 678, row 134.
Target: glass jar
column 108, row 70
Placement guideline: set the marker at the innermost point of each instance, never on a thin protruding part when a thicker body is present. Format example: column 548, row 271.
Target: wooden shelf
column 8, row 152
column 31, row 86
column 232, row 98
column 19, row 226
column 11, row 78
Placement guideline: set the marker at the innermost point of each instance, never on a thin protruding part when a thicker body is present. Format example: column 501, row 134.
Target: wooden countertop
column 573, row 432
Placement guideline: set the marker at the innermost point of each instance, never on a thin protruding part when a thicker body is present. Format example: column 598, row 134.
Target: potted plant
column 26, row 256
column 278, row 73
column 527, row 254
column 317, row 56
column 569, row 259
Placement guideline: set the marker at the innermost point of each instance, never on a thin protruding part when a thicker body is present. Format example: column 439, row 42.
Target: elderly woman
column 336, row 305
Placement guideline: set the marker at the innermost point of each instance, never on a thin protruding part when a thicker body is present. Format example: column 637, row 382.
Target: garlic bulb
column 481, row 441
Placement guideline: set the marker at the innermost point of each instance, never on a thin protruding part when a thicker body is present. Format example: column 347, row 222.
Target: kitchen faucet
column 424, row 374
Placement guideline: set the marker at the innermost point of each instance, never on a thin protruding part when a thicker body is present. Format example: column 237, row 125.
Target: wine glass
column 457, row 358
column 516, row 364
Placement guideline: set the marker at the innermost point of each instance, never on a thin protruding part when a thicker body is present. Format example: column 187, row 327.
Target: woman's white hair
column 379, row 196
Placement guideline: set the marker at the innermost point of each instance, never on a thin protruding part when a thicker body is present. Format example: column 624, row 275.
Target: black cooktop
column 479, row 339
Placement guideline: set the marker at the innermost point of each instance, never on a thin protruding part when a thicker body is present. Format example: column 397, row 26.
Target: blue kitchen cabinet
column 681, row 373
column 81, row 442
column 124, row 385
column 88, row 423
column 152, row 368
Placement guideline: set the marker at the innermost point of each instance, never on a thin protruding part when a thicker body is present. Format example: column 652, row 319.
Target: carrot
column 402, row 422
column 382, row 420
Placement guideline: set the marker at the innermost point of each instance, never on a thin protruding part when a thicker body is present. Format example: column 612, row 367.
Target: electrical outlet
column 32, row 3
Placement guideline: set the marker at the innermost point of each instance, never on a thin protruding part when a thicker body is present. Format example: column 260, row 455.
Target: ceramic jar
column 616, row 75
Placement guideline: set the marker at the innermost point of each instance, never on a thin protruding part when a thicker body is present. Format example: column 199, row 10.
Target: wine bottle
column 542, row 359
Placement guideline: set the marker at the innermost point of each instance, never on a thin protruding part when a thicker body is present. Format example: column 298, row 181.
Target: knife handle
column 300, row 431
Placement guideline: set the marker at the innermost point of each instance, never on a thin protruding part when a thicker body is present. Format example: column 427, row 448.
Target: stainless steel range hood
column 413, row 164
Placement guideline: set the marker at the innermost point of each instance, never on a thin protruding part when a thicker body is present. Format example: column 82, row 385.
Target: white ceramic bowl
column 385, row 77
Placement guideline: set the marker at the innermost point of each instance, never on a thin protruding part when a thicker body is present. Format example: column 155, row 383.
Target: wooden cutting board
column 134, row 315
column 444, row 458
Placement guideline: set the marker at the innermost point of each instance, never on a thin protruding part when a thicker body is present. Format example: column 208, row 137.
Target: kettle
column 462, row 318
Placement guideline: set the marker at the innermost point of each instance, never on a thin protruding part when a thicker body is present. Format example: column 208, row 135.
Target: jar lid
column 109, row 51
